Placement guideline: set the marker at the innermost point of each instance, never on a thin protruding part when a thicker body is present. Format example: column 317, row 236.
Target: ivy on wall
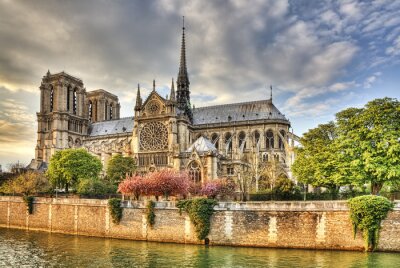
column 114, row 205
column 366, row 213
column 29, row 203
column 200, row 211
column 151, row 216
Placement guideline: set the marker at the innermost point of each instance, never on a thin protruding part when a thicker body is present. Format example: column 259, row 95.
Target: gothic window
column 105, row 110
column 242, row 140
column 111, row 111
column 51, row 98
column 228, row 142
column 269, row 139
column 154, row 136
column 230, row 170
column 265, row 157
column 68, row 97
column 90, row 110
column 95, row 111
column 78, row 142
column 215, row 140
column 281, row 144
column 70, row 142
column 74, row 102
column 195, row 172
column 153, row 107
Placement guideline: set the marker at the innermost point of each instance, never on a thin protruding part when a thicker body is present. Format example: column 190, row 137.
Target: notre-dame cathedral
column 229, row 140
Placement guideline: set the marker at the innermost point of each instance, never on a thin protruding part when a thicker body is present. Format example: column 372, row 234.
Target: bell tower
column 63, row 116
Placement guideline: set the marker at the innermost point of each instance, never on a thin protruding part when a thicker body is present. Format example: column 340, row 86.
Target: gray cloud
column 304, row 48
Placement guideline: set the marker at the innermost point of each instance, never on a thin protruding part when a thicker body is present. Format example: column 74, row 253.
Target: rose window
column 154, row 136
column 153, row 107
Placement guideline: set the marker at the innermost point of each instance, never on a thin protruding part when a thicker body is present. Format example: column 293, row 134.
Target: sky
column 319, row 56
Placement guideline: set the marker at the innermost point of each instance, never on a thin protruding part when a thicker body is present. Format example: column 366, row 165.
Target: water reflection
column 35, row 249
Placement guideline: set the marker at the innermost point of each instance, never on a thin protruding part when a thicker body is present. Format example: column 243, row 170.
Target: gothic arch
column 195, row 171
column 228, row 142
column 269, row 139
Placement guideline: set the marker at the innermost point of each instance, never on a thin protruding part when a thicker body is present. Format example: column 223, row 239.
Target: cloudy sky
column 320, row 56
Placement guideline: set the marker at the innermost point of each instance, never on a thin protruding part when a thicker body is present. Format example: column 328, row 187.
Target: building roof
column 237, row 112
column 202, row 145
column 111, row 127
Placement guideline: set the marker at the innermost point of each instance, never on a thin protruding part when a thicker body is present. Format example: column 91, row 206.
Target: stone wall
column 311, row 225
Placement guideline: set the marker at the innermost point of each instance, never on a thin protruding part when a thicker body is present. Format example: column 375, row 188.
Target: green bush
column 200, row 211
column 29, row 203
column 114, row 205
column 151, row 216
column 366, row 213
column 95, row 187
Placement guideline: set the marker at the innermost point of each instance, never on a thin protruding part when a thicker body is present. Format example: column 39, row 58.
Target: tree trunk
column 66, row 187
column 376, row 187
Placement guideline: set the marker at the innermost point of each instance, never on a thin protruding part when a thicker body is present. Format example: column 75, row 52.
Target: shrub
column 366, row 213
column 95, row 187
column 27, row 183
column 200, row 211
column 114, row 205
column 221, row 187
column 151, row 216
column 29, row 203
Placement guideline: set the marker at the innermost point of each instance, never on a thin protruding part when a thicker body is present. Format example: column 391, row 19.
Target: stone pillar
column 272, row 230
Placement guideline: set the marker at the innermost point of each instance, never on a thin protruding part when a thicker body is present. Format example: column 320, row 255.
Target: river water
column 20, row 248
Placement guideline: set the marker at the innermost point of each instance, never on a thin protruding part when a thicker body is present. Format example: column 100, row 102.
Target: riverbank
column 307, row 225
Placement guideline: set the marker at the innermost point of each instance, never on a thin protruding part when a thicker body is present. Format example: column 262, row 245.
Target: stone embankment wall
column 311, row 225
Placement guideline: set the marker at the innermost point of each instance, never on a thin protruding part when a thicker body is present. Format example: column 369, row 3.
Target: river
column 19, row 248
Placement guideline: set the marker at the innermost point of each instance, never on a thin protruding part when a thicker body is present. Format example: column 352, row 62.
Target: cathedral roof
column 110, row 127
column 202, row 145
column 237, row 112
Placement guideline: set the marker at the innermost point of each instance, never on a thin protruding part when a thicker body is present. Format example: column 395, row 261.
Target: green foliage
column 317, row 160
column 366, row 213
column 95, row 187
column 151, row 216
column 118, row 167
column 200, row 211
column 114, row 205
column 68, row 167
column 27, row 183
column 29, row 203
column 369, row 142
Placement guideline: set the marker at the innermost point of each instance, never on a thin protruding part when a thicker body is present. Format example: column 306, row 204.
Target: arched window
column 111, row 111
column 68, row 98
column 242, row 141
column 281, row 144
column 74, row 102
column 105, row 110
column 265, row 157
column 78, row 142
column 228, row 142
column 70, row 142
column 215, row 140
column 90, row 110
column 256, row 137
column 51, row 98
column 269, row 139
column 195, row 172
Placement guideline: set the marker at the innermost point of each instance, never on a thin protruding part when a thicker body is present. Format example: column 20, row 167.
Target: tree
column 317, row 161
column 222, row 187
column 68, row 167
column 369, row 142
column 119, row 167
column 27, row 183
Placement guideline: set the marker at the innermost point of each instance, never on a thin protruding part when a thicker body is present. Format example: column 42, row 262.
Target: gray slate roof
column 202, row 145
column 237, row 112
column 111, row 127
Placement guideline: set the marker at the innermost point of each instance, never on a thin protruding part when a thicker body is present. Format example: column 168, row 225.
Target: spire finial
column 154, row 85
column 271, row 91
column 183, row 22
column 172, row 94
column 138, row 99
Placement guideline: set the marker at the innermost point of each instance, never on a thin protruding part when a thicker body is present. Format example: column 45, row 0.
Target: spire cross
column 183, row 22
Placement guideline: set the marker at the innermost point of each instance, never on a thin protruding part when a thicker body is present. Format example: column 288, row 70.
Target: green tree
column 118, row 167
column 26, row 183
column 317, row 160
column 369, row 143
column 68, row 167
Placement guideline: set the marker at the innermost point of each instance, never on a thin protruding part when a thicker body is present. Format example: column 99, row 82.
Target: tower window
column 269, row 139
column 90, row 110
column 111, row 111
column 51, row 98
column 74, row 102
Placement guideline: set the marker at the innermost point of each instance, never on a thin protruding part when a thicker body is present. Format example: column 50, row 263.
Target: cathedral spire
column 172, row 94
column 183, row 92
column 138, row 99
column 271, row 92
column 154, row 85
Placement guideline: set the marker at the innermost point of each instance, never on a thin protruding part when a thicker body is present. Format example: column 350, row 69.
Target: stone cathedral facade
column 227, row 140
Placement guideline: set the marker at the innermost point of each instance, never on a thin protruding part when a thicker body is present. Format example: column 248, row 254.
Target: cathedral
column 232, row 140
